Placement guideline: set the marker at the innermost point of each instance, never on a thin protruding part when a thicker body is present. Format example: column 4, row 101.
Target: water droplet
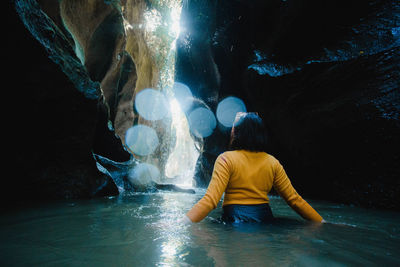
column 144, row 174
column 227, row 109
column 183, row 95
column 202, row 122
column 141, row 139
column 151, row 104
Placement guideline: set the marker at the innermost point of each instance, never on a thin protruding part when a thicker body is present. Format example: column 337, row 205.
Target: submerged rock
column 121, row 173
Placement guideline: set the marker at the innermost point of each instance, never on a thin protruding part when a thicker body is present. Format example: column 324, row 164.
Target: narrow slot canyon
column 117, row 110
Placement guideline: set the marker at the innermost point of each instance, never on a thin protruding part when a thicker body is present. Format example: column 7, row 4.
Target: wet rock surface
column 59, row 121
column 323, row 75
column 325, row 78
column 335, row 126
column 77, row 67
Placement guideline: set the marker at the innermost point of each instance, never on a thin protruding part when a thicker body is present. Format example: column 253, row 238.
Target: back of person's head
column 248, row 133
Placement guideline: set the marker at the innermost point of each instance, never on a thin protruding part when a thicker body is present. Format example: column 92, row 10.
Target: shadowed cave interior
column 116, row 110
column 323, row 76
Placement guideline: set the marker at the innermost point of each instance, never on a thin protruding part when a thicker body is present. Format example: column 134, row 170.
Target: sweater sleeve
column 284, row 187
column 217, row 186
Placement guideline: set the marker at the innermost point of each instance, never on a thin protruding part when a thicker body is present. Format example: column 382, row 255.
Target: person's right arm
column 285, row 189
column 215, row 190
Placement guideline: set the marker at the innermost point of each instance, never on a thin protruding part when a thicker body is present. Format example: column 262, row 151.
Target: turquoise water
column 142, row 229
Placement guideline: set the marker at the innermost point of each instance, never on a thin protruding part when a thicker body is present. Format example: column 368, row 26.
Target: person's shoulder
column 226, row 155
column 222, row 160
column 229, row 157
column 271, row 158
column 231, row 154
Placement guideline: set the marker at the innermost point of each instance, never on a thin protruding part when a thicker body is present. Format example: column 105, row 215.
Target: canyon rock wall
column 323, row 75
column 76, row 67
column 325, row 78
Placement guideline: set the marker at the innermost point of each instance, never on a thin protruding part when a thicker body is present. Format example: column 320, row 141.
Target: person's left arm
column 217, row 186
column 286, row 190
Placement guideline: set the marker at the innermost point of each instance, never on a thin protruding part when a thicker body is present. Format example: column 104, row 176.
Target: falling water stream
column 143, row 229
column 162, row 28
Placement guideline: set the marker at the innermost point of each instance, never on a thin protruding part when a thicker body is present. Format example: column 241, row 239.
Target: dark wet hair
column 248, row 133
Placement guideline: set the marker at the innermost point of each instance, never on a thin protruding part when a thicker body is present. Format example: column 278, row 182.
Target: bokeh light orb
column 227, row 109
column 144, row 174
column 202, row 122
column 141, row 139
column 151, row 104
column 183, row 95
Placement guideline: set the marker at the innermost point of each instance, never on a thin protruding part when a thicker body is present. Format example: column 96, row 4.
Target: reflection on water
column 173, row 234
column 142, row 229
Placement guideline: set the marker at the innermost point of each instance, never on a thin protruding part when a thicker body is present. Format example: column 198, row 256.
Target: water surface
column 142, row 229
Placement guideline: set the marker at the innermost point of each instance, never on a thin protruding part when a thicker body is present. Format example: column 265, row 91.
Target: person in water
column 247, row 174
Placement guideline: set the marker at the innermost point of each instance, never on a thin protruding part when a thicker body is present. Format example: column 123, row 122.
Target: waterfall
column 162, row 28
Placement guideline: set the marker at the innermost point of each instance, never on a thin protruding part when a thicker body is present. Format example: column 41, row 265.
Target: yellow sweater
column 246, row 178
